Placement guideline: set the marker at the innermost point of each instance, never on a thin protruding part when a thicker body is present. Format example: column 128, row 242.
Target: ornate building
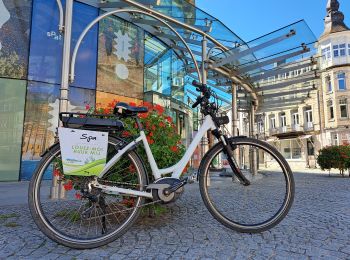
column 334, row 49
column 320, row 116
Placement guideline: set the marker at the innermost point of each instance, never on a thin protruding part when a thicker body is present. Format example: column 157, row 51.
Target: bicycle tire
column 50, row 231
column 225, row 220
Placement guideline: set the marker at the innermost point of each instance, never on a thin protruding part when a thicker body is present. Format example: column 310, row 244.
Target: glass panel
column 15, row 18
column 120, row 58
column 12, row 97
column 41, row 121
column 107, row 100
column 303, row 36
column 296, row 150
column 45, row 63
column 286, row 149
column 81, row 99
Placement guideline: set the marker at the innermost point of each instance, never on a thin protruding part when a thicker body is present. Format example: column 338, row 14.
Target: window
column 343, row 104
column 326, row 53
column 308, row 118
column 349, row 49
column 336, row 50
column 341, row 81
column 334, row 139
column 290, row 149
column 260, row 127
column 329, row 84
column 295, row 118
column 330, row 109
column 272, row 123
column 283, row 120
column 342, row 49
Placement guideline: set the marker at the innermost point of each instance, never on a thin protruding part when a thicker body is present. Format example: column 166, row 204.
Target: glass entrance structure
column 56, row 58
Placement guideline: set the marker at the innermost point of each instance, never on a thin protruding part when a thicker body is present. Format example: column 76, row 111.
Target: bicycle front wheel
column 81, row 217
column 254, row 208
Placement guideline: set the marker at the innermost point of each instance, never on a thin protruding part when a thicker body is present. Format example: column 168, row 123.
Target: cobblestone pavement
column 317, row 227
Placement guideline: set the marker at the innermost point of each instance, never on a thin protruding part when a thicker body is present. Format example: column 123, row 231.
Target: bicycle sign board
column 84, row 152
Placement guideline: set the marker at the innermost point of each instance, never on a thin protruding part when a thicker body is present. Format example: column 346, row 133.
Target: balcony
column 273, row 131
column 309, row 126
column 283, row 129
column 297, row 128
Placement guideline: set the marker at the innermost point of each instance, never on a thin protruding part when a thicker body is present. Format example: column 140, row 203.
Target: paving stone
column 317, row 227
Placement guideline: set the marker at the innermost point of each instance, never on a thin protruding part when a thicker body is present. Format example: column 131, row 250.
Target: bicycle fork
column 232, row 162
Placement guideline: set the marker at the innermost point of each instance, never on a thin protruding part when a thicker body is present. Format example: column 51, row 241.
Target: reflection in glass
column 12, row 96
column 120, row 58
column 15, row 18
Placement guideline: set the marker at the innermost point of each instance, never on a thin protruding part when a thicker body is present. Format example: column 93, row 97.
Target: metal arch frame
column 246, row 86
column 60, row 8
column 99, row 18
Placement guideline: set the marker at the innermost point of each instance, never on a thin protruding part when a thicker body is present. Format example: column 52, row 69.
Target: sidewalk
column 14, row 193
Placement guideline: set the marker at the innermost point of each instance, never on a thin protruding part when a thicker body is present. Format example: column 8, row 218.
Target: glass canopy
column 270, row 65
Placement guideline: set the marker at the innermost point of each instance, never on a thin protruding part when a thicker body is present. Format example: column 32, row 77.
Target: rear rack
column 98, row 122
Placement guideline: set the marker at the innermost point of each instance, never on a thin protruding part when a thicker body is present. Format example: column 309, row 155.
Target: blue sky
column 250, row 19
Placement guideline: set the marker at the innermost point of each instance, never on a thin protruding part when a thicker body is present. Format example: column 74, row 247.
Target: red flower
column 148, row 105
column 143, row 115
column 68, row 186
column 169, row 119
column 159, row 109
column 126, row 134
column 132, row 104
column 149, row 140
column 57, row 173
column 78, row 195
column 161, row 124
column 174, row 149
column 87, row 107
column 153, row 127
column 132, row 168
column 151, row 134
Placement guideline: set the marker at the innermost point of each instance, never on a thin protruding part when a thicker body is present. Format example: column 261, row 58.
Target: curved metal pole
column 216, row 48
column 60, row 8
column 193, row 29
column 75, row 52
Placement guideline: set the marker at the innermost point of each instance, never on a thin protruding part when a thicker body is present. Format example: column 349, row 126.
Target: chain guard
column 172, row 197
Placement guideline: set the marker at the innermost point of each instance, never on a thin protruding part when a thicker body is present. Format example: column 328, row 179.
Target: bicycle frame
column 174, row 170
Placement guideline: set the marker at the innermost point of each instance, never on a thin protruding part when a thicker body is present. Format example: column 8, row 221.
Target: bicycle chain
column 121, row 211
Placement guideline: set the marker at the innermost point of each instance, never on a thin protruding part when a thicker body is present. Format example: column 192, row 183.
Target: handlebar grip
column 196, row 103
column 200, row 87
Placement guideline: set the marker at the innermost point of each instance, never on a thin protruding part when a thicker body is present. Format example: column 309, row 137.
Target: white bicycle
column 246, row 184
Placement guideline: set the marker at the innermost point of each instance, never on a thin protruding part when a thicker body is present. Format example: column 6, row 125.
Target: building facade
column 319, row 116
column 118, row 61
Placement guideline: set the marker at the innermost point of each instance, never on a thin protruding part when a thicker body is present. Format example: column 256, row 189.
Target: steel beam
column 286, row 83
column 280, row 71
column 238, row 55
column 262, row 64
column 280, row 94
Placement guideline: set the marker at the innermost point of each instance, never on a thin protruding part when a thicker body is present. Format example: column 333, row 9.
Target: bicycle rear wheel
column 80, row 218
column 254, row 208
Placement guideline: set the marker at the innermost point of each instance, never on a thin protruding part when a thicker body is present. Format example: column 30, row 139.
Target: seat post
column 139, row 125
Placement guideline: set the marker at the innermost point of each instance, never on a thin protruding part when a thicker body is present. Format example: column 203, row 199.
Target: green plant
column 7, row 216
column 11, row 66
column 160, row 131
column 334, row 157
column 12, row 224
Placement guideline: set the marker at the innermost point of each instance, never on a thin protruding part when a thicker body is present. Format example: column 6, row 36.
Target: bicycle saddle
column 125, row 109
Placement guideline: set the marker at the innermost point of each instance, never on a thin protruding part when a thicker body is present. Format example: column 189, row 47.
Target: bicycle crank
column 167, row 189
